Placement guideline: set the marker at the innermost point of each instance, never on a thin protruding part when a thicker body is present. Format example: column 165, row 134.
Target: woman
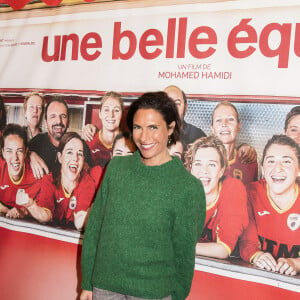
column 292, row 124
column 123, row 145
column 33, row 111
column 70, row 190
column 2, row 116
column 148, row 214
column 16, row 176
column 176, row 150
column 226, row 211
column 225, row 126
column 274, row 210
column 110, row 114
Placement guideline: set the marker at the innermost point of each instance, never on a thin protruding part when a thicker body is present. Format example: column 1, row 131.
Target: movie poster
column 58, row 63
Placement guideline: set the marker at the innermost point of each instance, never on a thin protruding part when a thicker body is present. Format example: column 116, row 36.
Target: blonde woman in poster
column 147, row 217
column 110, row 114
column 274, row 210
column 16, row 177
column 70, row 189
column 226, row 126
column 33, row 111
column 226, row 198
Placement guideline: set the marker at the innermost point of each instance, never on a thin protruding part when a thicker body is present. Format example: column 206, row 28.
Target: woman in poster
column 70, row 189
column 16, row 177
column 123, row 145
column 274, row 210
column 226, row 211
column 110, row 114
column 33, row 111
column 292, row 124
column 226, row 125
column 142, row 231
column 176, row 150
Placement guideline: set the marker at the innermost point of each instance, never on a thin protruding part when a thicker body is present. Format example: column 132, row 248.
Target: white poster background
column 22, row 67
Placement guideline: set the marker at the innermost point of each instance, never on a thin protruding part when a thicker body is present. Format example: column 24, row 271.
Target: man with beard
column 44, row 145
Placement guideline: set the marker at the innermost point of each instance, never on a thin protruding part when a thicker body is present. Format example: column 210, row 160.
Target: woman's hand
column 16, row 213
column 286, row 266
column 86, row 295
column 265, row 260
column 247, row 153
column 3, row 208
column 88, row 132
column 79, row 219
column 22, row 198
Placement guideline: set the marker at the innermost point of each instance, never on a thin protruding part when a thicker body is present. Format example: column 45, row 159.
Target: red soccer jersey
column 276, row 231
column 97, row 174
column 247, row 172
column 62, row 205
column 9, row 188
column 100, row 153
column 227, row 217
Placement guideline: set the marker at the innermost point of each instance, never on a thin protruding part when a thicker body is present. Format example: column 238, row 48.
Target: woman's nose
column 144, row 135
column 224, row 123
column 15, row 156
column 278, row 166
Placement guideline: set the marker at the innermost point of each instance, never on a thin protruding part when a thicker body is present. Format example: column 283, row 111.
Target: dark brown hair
column 68, row 136
column 283, row 140
column 160, row 102
column 14, row 129
column 292, row 113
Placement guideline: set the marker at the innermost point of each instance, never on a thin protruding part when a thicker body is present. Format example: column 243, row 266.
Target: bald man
column 189, row 133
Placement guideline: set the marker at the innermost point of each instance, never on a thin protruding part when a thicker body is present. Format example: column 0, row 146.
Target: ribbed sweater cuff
column 86, row 286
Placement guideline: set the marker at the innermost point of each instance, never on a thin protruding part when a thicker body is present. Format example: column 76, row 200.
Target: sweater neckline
column 141, row 165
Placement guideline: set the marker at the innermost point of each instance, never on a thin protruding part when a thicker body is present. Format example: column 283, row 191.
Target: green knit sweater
column 142, row 231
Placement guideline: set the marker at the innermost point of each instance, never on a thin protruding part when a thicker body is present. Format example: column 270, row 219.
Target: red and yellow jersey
column 271, row 229
column 100, row 152
column 64, row 205
column 227, row 217
column 246, row 172
column 9, row 187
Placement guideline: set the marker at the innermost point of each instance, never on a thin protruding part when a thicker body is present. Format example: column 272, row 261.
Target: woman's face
column 280, row 168
column 123, row 147
column 111, row 114
column 34, row 111
column 71, row 159
column 225, row 124
column 176, row 149
column 207, row 167
column 293, row 129
column 150, row 134
column 14, row 153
